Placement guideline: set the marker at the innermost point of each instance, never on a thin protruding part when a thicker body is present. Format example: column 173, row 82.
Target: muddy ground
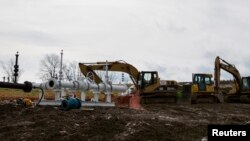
column 155, row 122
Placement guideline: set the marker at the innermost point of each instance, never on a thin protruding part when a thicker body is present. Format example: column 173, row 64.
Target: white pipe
column 85, row 85
column 41, row 85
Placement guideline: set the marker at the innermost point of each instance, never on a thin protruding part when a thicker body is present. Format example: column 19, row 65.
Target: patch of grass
column 15, row 94
column 11, row 94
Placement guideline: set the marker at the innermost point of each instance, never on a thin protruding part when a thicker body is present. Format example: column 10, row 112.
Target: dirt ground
column 154, row 123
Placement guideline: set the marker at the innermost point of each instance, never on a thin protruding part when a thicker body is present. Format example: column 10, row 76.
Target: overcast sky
column 174, row 37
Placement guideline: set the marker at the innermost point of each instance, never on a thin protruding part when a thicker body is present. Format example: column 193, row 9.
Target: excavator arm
column 222, row 64
column 147, row 83
column 120, row 66
column 87, row 71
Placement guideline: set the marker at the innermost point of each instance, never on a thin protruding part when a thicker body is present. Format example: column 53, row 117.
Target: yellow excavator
column 242, row 84
column 203, row 89
column 147, row 83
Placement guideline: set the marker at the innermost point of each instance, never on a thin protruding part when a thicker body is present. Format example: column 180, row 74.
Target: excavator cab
column 148, row 81
column 202, row 83
column 151, row 90
column 203, row 89
column 245, row 90
column 245, row 84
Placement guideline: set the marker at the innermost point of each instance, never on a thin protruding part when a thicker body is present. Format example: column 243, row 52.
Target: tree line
column 50, row 67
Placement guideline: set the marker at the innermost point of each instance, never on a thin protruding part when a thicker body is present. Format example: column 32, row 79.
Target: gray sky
column 175, row 37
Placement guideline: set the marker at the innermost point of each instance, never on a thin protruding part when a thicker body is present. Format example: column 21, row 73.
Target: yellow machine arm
column 222, row 64
column 120, row 66
column 87, row 70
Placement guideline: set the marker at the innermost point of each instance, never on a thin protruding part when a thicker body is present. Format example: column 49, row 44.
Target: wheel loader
column 148, row 85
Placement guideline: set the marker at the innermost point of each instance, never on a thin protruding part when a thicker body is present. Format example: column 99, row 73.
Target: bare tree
column 71, row 71
column 112, row 75
column 50, row 66
column 8, row 69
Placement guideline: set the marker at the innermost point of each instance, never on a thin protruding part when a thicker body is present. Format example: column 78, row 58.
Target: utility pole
column 106, row 75
column 60, row 72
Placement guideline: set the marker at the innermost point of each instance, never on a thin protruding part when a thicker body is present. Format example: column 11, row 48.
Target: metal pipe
column 86, row 85
column 26, row 87
column 44, row 85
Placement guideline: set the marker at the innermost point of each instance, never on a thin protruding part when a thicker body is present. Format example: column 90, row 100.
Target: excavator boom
column 120, row 66
column 242, row 93
column 147, row 83
column 222, row 64
column 88, row 72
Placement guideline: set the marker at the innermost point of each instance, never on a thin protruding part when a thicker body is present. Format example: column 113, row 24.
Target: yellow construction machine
column 147, row 83
column 202, row 89
column 242, row 84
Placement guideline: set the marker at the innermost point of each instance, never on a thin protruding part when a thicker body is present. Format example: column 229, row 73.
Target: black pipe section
column 26, row 87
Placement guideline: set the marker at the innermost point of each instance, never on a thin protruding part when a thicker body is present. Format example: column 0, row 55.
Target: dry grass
column 11, row 94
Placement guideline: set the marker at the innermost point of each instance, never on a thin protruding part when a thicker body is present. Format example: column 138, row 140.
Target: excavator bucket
column 131, row 101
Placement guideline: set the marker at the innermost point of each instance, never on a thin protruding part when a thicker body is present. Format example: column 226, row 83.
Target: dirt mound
column 155, row 122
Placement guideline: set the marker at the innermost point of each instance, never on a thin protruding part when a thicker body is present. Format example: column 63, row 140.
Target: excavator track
column 237, row 98
column 229, row 98
column 208, row 98
column 158, row 98
column 245, row 98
